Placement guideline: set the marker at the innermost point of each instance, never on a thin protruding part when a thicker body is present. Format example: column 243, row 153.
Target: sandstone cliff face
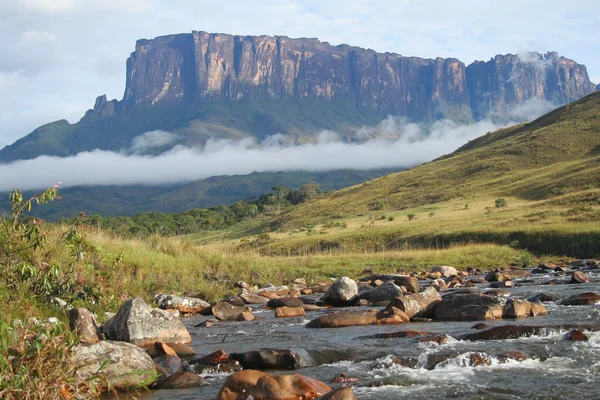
column 192, row 68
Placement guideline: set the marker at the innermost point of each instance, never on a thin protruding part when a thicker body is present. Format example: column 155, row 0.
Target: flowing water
column 555, row 369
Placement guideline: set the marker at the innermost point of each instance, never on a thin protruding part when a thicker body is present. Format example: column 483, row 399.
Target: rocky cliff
column 189, row 68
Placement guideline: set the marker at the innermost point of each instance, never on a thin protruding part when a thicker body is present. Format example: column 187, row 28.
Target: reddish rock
column 285, row 302
column 517, row 331
column 439, row 339
column 398, row 334
column 418, row 305
column 344, row 318
column 268, row 359
column 344, row 378
column 582, row 299
column 214, row 358
column 84, row 325
column 183, row 380
column 245, row 316
column 286, row 312
column 575, row 335
column 344, row 393
column 580, row 277
column 480, row 325
column 227, row 312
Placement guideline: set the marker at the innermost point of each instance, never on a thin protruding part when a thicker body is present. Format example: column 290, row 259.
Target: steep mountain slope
column 555, row 154
column 202, row 85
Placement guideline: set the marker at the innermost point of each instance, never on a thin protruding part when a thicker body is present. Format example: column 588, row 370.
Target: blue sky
column 58, row 55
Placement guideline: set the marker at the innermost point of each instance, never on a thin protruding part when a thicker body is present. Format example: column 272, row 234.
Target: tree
column 310, row 190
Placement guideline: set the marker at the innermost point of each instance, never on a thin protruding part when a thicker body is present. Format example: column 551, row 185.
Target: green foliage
column 391, row 218
column 411, row 216
column 500, row 202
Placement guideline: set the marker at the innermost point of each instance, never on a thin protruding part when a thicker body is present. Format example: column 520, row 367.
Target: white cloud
column 152, row 139
column 531, row 109
column 69, row 6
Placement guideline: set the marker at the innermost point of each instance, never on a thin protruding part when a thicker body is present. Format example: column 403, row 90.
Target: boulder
column 173, row 349
column 125, row 365
column 252, row 298
column 439, row 285
column 411, row 283
column 344, row 378
column 575, row 335
column 344, row 318
column 245, row 316
column 136, row 322
column 186, row 305
column 392, row 315
column 183, row 380
column 84, row 325
column 582, row 299
column 171, row 364
column 268, row 359
column 506, row 275
column 541, row 297
column 262, row 386
column 277, row 290
column 341, row 292
column 580, row 277
column 344, row 393
column 227, row 312
column 517, row 331
column 285, row 302
column 515, row 308
column 235, row 301
column 444, row 270
column 469, row 307
column 285, row 312
column 398, row 334
column 385, row 292
column 418, row 305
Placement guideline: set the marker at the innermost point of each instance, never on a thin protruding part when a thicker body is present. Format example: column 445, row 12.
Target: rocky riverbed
column 461, row 342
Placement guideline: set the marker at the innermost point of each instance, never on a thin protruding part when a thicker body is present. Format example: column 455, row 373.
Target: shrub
column 411, row 217
column 391, row 218
column 500, row 202
column 431, row 214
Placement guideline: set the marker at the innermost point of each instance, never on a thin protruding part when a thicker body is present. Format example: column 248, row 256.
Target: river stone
column 439, row 285
column 344, row 318
column 235, row 301
column 285, row 302
column 227, row 312
column 445, row 270
column 575, row 335
column 252, row 298
column 541, row 297
column 344, row 393
column 129, row 365
column 506, row 275
column 183, row 380
column 83, row 324
column 268, row 359
column 411, row 283
column 261, row 386
column 136, row 322
column 418, row 305
column 286, row 312
column 171, row 364
column 341, row 292
column 385, row 292
column 188, row 305
column 580, row 277
column 391, row 315
column 516, row 308
column 582, row 299
column 172, row 349
column 469, row 307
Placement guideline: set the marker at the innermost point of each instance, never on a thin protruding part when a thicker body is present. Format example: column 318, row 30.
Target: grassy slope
column 531, row 164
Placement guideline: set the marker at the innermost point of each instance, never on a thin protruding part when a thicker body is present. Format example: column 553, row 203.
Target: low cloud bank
column 393, row 143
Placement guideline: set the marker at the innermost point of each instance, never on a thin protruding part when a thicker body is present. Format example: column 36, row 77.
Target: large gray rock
column 581, row 299
column 136, row 322
column 418, row 305
column 344, row 318
column 411, row 283
column 341, row 292
column 125, row 365
column 253, row 298
column 188, row 305
column 384, row 292
column 469, row 307
column 83, row 323
column 227, row 312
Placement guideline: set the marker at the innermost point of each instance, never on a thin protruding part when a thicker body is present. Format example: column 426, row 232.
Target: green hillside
column 548, row 172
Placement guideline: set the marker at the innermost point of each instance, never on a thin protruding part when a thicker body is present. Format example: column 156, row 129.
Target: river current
column 554, row 368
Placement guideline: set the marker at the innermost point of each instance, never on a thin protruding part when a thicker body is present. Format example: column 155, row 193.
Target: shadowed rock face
column 194, row 67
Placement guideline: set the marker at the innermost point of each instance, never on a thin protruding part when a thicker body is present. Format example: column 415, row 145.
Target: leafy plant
column 411, row 216
column 500, row 202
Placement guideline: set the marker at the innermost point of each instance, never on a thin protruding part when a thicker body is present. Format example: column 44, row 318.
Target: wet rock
column 245, row 316
column 445, row 270
column 398, row 334
column 171, row 364
column 285, row 302
column 287, row 312
column 582, row 299
column 344, row 378
column 235, row 301
column 502, row 284
column 385, row 292
column 542, row 297
column 183, row 380
column 480, row 325
column 252, row 298
column 227, row 312
column 497, row 292
column 311, row 307
column 205, row 324
column 511, row 355
column 136, row 322
column 187, row 305
column 268, row 359
column 214, row 358
column 469, row 307
column 506, row 275
column 277, row 290
column 261, row 386
column 341, row 292
column 517, row 331
column 418, row 305
column 439, row 285
column 129, row 365
column 515, row 308
column 344, row 393
column 179, row 349
column 580, row 277
column 408, row 362
column 394, row 314
column 84, row 325
column 411, row 283
column 575, row 335
column 439, row 339
column 344, row 318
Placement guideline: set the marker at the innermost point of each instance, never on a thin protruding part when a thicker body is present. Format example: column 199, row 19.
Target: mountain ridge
column 202, row 85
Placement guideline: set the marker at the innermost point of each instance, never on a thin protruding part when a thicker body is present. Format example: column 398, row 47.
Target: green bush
column 500, row 202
